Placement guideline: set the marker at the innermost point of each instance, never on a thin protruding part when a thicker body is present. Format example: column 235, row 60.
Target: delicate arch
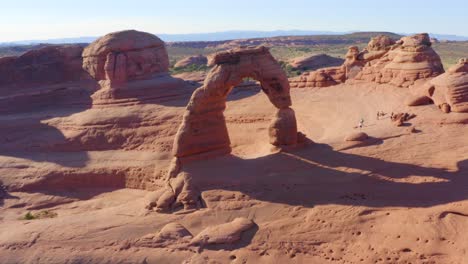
column 203, row 128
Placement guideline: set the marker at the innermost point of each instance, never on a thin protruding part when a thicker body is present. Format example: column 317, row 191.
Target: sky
column 47, row 19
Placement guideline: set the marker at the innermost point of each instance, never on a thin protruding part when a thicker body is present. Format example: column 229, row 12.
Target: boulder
column 198, row 60
column 357, row 136
column 415, row 100
column 172, row 235
column 227, row 233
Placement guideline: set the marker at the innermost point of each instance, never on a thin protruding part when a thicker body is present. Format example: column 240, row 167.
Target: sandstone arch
column 203, row 129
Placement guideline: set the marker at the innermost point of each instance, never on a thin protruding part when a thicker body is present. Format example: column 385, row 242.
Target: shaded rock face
column 48, row 65
column 125, row 55
column 203, row 128
column 448, row 91
column 199, row 60
column 399, row 63
column 409, row 60
column 316, row 61
column 131, row 67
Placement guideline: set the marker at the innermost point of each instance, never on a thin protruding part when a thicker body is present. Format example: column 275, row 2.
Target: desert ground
column 77, row 177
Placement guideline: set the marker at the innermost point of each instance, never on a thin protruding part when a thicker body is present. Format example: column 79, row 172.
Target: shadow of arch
column 319, row 175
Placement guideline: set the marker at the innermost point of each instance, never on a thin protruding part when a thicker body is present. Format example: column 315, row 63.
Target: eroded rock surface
column 400, row 63
column 131, row 67
column 224, row 233
column 203, row 129
column 448, row 91
column 410, row 59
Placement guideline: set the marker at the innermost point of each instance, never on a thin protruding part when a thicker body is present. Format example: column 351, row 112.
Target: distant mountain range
column 215, row 36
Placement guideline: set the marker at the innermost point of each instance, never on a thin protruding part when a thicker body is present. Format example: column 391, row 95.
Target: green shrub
column 190, row 68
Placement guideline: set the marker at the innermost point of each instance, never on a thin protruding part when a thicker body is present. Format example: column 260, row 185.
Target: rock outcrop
column 410, row 59
column 44, row 77
column 315, row 61
column 130, row 66
column 198, row 60
column 352, row 65
column 47, row 65
column 224, row 233
column 399, row 63
column 203, row 130
column 448, row 91
column 172, row 235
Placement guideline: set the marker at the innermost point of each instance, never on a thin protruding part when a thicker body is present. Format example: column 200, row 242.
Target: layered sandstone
column 352, row 65
column 399, row 63
column 47, row 65
column 448, row 91
column 410, row 59
column 131, row 67
column 43, row 78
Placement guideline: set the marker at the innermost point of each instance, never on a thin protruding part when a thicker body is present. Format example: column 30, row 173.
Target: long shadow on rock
column 24, row 133
column 319, row 175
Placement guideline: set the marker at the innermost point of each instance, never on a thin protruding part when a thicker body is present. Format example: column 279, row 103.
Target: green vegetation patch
column 189, row 68
column 39, row 215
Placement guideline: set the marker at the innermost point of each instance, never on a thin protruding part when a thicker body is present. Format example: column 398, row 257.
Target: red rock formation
column 383, row 61
column 409, row 60
column 199, row 60
column 48, row 65
column 42, row 78
column 208, row 102
column 129, row 66
column 316, row 61
column 203, row 129
column 353, row 64
column 448, row 91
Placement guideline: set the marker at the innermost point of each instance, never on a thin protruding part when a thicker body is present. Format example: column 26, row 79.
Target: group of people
column 380, row 114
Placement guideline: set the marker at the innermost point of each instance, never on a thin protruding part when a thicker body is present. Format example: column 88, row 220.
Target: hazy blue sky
column 35, row 19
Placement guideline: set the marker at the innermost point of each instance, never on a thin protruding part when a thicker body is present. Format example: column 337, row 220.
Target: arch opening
column 203, row 130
